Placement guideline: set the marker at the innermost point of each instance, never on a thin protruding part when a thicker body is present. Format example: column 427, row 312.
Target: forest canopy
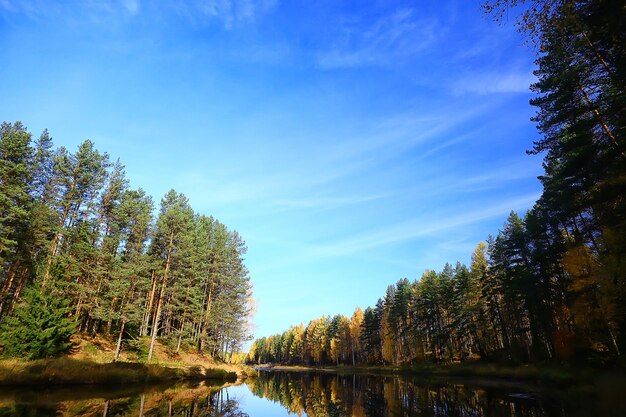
column 81, row 251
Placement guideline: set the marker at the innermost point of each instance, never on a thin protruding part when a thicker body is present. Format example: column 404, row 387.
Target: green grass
column 64, row 371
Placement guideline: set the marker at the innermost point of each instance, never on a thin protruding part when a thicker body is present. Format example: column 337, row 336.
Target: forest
column 83, row 252
column 550, row 285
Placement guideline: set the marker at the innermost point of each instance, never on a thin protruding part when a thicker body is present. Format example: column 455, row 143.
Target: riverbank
column 66, row 371
column 92, row 361
column 561, row 375
column 147, row 399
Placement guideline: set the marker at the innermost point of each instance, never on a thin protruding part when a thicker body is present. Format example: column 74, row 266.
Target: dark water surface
column 314, row 395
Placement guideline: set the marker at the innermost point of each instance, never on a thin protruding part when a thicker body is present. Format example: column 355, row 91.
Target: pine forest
column 83, row 252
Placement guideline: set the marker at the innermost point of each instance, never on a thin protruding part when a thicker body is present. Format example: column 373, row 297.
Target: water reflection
column 316, row 395
column 189, row 400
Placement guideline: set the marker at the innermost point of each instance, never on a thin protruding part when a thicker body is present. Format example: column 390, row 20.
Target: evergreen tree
column 71, row 219
column 581, row 101
column 173, row 227
column 15, row 178
column 40, row 326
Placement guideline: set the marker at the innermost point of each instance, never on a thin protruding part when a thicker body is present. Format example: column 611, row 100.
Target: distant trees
column 70, row 221
column 513, row 304
column 550, row 285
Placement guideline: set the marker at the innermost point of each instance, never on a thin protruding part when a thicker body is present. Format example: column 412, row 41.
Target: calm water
column 314, row 395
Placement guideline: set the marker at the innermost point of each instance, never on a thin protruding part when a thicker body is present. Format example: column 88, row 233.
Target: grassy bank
column 553, row 374
column 91, row 361
column 62, row 371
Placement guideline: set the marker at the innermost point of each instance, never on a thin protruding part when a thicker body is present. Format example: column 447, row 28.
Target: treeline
column 549, row 286
column 81, row 251
column 501, row 308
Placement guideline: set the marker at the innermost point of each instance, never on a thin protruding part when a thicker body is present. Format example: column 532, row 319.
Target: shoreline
column 559, row 375
column 66, row 371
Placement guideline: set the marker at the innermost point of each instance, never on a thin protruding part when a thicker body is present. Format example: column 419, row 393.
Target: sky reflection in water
column 311, row 395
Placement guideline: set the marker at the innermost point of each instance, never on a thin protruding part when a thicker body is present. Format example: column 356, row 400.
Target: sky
column 350, row 143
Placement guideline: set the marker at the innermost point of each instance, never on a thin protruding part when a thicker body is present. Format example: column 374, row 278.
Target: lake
column 278, row 394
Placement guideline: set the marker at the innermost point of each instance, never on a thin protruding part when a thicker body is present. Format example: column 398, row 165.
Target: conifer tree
column 39, row 327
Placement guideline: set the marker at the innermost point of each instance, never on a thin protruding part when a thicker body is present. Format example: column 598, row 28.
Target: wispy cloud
column 495, row 82
column 395, row 134
column 499, row 177
column 87, row 10
column 413, row 229
column 231, row 12
column 392, row 37
column 132, row 6
column 31, row 8
column 420, row 227
column 505, row 173
column 7, row 5
column 324, row 202
column 276, row 189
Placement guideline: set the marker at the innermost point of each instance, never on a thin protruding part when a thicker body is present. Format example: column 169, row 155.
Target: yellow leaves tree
column 315, row 339
column 593, row 309
column 387, row 340
column 356, row 321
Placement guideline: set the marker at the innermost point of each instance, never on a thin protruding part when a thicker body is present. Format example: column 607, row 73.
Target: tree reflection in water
column 186, row 400
column 209, row 404
column 317, row 395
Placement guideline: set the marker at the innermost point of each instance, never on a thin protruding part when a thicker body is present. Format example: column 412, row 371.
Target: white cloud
column 94, row 10
column 233, row 12
column 324, row 202
column 31, row 8
column 132, row 6
column 390, row 38
column 7, row 5
column 394, row 135
column 402, row 232
column 229, row 12
column 495, row 82
column 419, row 227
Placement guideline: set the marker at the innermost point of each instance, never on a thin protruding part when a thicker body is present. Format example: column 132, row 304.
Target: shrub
column 39, row 326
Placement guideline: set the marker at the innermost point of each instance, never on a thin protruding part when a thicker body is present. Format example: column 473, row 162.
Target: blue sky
column 350, row 143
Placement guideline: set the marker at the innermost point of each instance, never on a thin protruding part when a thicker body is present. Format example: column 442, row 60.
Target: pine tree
column 581, row 101
column 173, row 227
column 15, row 209
column 40, row 326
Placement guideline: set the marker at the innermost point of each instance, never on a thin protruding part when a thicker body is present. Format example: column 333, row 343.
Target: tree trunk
column 8, row 283
column 146, row 323
column 110, row 320
column 353, row 359
column 106, row 408
column 157, row 315
column 614, row 343
column 20, row 284
column 180, row 336
column 207, row 313
column 118, row 348
column 7, row 305
column 142, row 404
column 603, row 124
column 57, row 238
